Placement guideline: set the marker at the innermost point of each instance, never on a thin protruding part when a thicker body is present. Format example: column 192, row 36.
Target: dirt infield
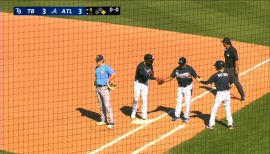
column 48, row 71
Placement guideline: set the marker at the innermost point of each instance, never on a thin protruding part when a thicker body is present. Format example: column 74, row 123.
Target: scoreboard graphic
column 67, row 11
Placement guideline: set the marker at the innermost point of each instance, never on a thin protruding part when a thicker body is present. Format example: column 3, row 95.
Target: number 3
column 43, row 11
column 80, row 11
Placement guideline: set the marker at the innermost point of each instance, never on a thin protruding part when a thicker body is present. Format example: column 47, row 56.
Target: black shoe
column 186, row 120
column 230, row 126
column 210, row 127
column 175, row 118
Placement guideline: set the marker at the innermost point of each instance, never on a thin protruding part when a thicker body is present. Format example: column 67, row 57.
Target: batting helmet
column 182, row 61
column 219, row 64
column 148, row 58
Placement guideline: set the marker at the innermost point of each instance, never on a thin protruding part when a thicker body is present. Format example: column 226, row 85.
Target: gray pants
column 103, row 96
column 238, row 85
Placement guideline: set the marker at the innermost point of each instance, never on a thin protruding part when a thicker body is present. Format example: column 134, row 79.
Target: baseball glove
column 112, row 86
column 160, row 80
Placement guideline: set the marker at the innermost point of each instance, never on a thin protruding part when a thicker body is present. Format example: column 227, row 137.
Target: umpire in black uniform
column 232, row 66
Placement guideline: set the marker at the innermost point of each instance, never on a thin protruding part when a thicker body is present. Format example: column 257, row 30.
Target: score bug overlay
column 67, row 11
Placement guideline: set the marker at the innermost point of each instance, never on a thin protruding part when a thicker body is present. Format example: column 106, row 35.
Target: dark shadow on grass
column 205, row 118
column 89, row 114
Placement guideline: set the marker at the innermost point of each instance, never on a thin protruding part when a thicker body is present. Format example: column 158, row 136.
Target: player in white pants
column 222, row 81
column 140, row 89
column 144, row 73
column 183, row 73
column 183, row 93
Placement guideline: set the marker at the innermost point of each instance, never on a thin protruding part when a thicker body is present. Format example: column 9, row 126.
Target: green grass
column 250, row 135
column 241, row 20
column 5, row 152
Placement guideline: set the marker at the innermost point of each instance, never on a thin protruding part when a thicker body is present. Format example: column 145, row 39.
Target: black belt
column 222, row 90
column 145, row 83
column 98, row 85
column 184, row 86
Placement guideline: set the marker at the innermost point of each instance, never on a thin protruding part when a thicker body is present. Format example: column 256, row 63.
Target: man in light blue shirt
column 104, row 75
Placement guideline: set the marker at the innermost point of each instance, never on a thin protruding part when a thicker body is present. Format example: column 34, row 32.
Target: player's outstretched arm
column 168, row 79
column 198, row 78
column 160, row 80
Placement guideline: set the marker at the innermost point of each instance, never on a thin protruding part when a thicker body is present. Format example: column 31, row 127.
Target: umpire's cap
column 227, row 40
column 182, row 61
column 148, row 58
column 99, row 58
column 219, row 64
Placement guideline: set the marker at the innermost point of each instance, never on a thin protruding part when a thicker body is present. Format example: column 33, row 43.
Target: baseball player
column 183, row 73
column 144, row 72
column 222, row 81
column 104, row 75
column 231, row 65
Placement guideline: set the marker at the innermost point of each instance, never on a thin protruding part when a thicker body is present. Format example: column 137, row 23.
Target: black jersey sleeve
column 193, row 73
column 210, row 80
column 144, row 75
column 173, row 74
column 234, row 52
column 151, row 75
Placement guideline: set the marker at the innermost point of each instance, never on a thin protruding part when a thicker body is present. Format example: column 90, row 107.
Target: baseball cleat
column 210, row 127
column 186, row 120
column 101, row 123
column 230, row 126
column 175, row 118
column 132, row 117
column 110, row 126
column 144, row 118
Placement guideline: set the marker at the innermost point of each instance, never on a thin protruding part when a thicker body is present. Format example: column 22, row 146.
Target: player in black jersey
column 144, row 72
column 222, row 81
column 183, row 73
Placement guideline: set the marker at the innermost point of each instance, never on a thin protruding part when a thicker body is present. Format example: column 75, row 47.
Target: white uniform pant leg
column 144, row 92
column 188, row 94
column 179, row 102
column 227, row 106
column 137, row 90
column 218, row 101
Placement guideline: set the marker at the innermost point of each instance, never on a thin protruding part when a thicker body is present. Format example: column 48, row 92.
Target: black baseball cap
column 226, row 40
column 149, row 58
column 182, row 61
column 99, row 58
column 219, row 64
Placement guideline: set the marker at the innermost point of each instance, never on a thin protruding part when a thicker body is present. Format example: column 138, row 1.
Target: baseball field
column 49, row 105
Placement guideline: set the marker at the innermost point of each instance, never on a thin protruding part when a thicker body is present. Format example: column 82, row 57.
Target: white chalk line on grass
column 163, row 115
column 176, row 129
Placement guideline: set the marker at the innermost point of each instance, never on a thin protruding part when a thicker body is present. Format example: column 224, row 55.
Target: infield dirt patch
column 47, row 71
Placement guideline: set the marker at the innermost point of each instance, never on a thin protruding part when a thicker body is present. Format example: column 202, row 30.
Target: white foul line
column 174, row 130
column 165, row 114
column 159, row 139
